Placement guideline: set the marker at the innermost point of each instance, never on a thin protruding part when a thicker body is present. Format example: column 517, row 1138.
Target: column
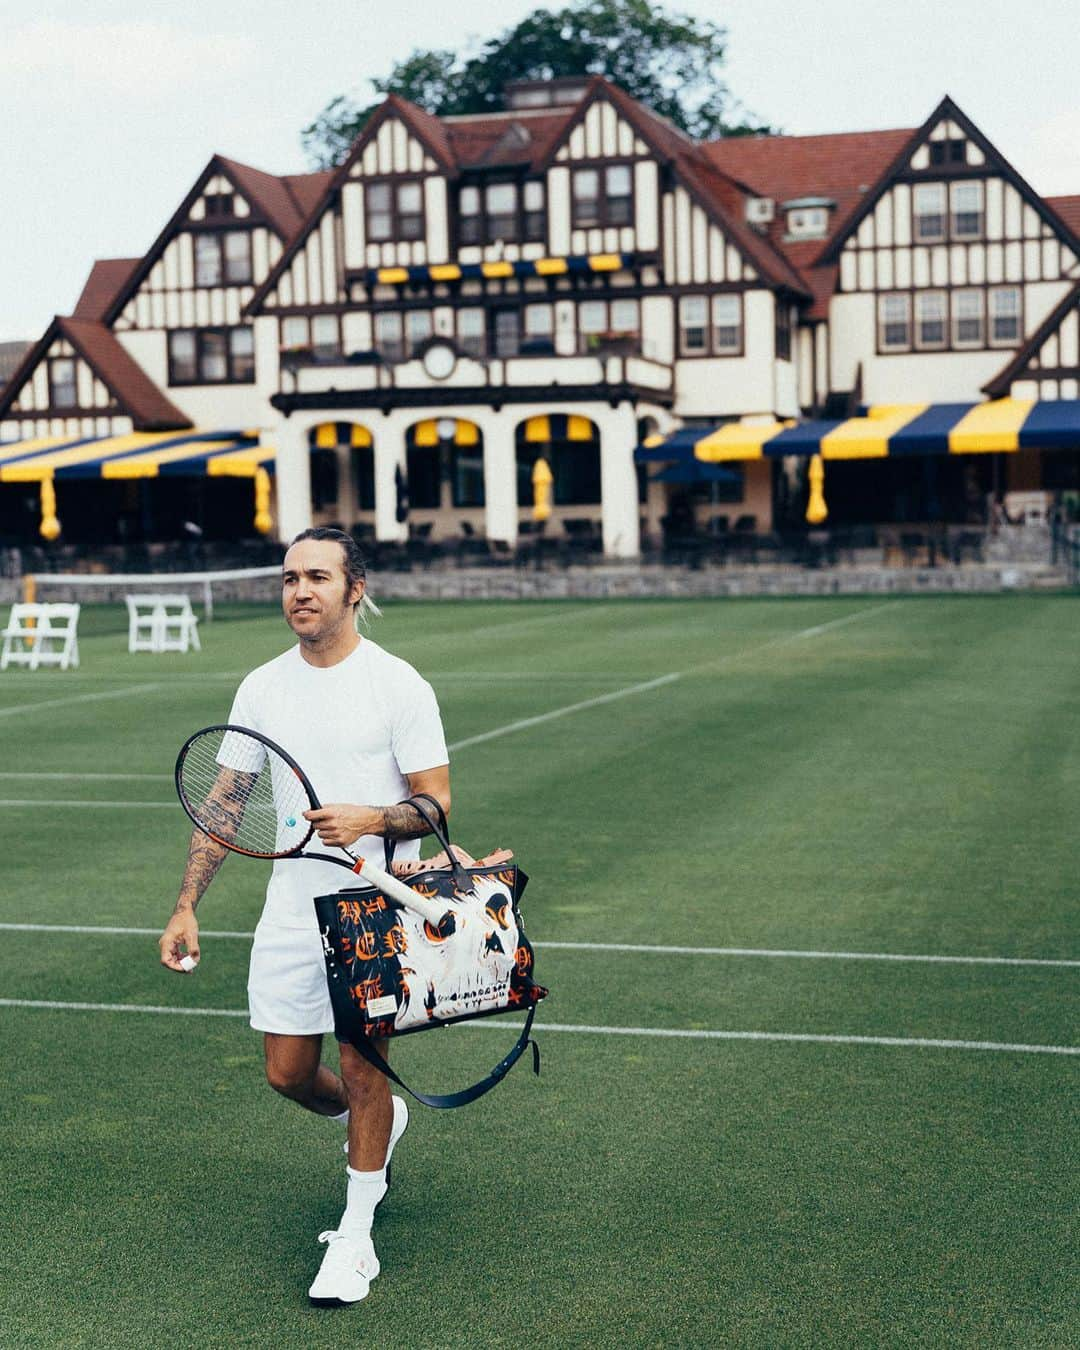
column 618, row 482
column 500, row 478
column 293, row 473
column 389, row 436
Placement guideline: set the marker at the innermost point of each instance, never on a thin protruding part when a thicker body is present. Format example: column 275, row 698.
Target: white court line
column 565, row 711
column 811, row 1038
column 611, row 947
column 113, row 806
column 94, row 777
column 18, row 709
column 670, row 678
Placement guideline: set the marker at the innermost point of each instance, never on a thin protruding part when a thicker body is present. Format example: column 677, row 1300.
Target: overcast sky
column 110, row 108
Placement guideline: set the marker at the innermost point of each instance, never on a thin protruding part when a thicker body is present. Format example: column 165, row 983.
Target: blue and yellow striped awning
column 889, row 430
column 139, row 454
column 491, row 271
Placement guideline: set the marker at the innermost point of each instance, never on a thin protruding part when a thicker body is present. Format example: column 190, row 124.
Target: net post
column 208, row 600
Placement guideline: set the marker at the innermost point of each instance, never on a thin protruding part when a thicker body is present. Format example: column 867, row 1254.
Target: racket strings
column 238, row 790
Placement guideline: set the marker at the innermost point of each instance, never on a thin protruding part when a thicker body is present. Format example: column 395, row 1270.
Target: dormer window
column 807, row 217
column 395, row 211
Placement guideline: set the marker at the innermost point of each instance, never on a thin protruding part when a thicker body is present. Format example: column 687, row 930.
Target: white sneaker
column 347, row 1269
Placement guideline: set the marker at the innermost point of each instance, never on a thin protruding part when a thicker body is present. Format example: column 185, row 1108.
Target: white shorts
column 287, row 992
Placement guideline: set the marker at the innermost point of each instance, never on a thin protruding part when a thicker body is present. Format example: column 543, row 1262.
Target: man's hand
column 341, row 824
column 181, row 932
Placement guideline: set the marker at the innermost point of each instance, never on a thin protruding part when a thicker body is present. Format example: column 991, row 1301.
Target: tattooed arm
column 205, row 856
column 342, row 824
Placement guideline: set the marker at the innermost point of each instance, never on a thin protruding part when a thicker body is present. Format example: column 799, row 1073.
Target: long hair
column 355, row 567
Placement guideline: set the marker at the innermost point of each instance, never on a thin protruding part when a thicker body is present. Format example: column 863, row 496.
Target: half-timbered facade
column 562, row 279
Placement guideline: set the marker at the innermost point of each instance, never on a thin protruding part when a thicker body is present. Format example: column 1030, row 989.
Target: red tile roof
column 842, row 167
column 1068, row 208
column 273, row 196
column 134, row 390
column 106, row 278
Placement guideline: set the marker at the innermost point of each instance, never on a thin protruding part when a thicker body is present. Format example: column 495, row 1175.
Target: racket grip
column 404, row 895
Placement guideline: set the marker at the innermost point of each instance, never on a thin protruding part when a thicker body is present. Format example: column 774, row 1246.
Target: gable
column 948, row 148
column 101, row 379
column 166, row 291
column 599, row 132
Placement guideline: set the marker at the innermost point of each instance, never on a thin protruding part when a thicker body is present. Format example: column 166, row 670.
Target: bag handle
column 437, row 823
column 447, row 1101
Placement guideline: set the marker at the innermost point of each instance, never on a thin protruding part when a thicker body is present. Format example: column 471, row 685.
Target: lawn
column 759, row 801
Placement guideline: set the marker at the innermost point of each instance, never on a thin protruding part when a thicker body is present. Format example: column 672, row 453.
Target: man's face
column 315, row 594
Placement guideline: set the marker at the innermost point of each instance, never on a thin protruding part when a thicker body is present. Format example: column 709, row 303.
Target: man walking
column 367, row 729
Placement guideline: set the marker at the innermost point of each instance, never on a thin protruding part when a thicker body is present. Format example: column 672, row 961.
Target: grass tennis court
column 817, row 776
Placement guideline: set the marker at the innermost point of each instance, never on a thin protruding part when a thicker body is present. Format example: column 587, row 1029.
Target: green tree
column 672, row 63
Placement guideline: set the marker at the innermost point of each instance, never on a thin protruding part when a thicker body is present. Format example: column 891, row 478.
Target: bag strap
column 446, row 1101
column 390, row 845
column 436, row 822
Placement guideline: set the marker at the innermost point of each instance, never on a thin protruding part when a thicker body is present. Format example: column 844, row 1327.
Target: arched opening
column 444, row 465
column 343, row 476
column 571, row 446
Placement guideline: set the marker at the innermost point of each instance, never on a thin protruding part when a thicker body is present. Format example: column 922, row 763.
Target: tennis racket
column 249, row 795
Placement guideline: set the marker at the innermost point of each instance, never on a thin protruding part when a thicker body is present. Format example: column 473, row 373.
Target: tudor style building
column 564, row 278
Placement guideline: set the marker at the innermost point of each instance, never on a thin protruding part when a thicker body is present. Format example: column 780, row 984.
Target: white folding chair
column 41, row 635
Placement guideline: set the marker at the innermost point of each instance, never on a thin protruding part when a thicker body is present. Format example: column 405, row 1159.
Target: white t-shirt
column 356, row 729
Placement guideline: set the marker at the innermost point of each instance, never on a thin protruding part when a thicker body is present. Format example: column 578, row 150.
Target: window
column 472, row 332
column 931, row 320
column 534, row 213
column 603, row 196
column 808, row 222
column 951, row 151
column 539, row 329
column 219, row 205
column 63, row 392
column 212, row 356
column 502, row 211
column 224, row 257
column 967, row 318
column 601, row 322
column 397, row 337
column 697, row 337
column 894, row 322
column 507, row 332
column 966, row 208
column 390, row 337
column 929, row 205
column 237, row 256
column 423, row 468
column 395, row 211
column 207, row 260
column 500, row 205
column 727, row 324
column 418, row 328
column 1004, row 315
column 693, row 325
column 783, row 331
column 325, row 335
column 320, row 335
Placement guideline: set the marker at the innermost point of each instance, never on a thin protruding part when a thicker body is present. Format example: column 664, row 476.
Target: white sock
column 365, row 1190
column 343, row 1118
